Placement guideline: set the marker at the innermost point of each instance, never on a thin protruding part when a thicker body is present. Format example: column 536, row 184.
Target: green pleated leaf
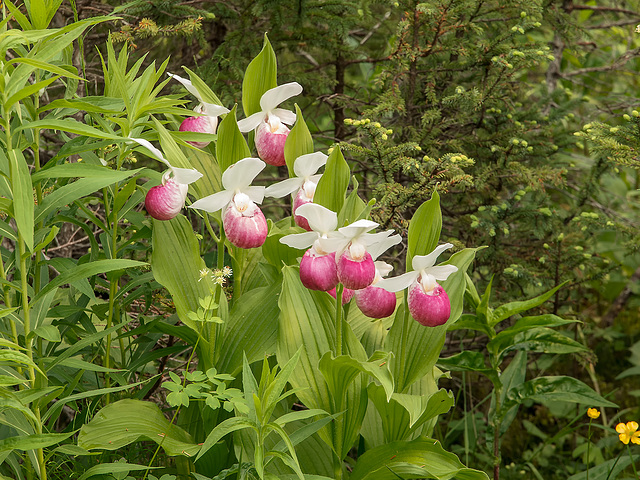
column 556, row 389
column 231, row 145
column 424, row 229
column 127, row 421
column 71, row 192
column 260, row 76
column 332, row 187
column 113, row 468
column 541, row 340
column 252, row 328
column 505, row 311
column 32, row 442
column 420, row 346
column 211, row 181
column 420, row 458
column 299, row 141
column 277, row 253
column 71, row 126
column 87, row 270
column 354, row 207
column 22, row 196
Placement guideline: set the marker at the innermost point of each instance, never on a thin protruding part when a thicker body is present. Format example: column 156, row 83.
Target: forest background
column 522, row 115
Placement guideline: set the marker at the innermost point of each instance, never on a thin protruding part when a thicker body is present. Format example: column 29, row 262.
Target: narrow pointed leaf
column 32, row 442
column 332, row 187
column 231, row 145
column 424, row 229
column 299, row 142
column 22, row 190
column 227, row 426
column 260, row 76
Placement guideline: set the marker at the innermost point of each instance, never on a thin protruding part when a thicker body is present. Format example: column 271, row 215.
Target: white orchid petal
column 383, row 268
column 284, row 188
column 156, row 153
column 185, row 176
column 300, row 240
column 252, row 121
column 241, row 174
column 255, row 193
column 275, row 96
column 441, row 272
column 315, row 178
column 307, row 165
column 215, row 202
column 213, row 110
column 320, row 218
column 333, row 244
column 188, row 85
column 420, row 262
column 284, row 116
column 383, row 244
column 357, row 228
column 395, row 284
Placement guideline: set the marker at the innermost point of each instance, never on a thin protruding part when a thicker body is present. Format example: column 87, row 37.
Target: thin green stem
column 633, row 464
column 339, row 320
column 589, row 447
column 403, row 339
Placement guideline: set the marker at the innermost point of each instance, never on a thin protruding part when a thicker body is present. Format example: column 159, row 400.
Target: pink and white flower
column 429, row 304
column 304, row 184
column 207, row 121
column 318, row 267
column 269, row 124
column 243, row 221
column 163, row 202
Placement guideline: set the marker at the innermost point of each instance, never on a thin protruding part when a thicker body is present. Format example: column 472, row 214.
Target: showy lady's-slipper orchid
column 243, row 221
column 205, row 123
column 318, row 267
column 428, row 302
column 355, row 265
column 163, row 202
column 373, row 301
column 305, row 182
column 271, row 133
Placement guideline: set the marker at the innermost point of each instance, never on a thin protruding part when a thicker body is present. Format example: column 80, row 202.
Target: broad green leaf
column 87, row 270
column 608, row 470
column 113, row 468
column 333, row 184
column 299, row 141
column 32, row 442
column 82, row 170
column 261, row 75
column 469, row 361
column 71, row 126
column 420, row 458
column 340, row 371
column 73, row 191
column 354, row 207
column 22, row 196
column 49, row 332
column 541, row 340
column 507, row 310
column 512, row 377
column 231, row 145
column 127, row 421
column 556, row 389
column 424, row 229
column 211, row 181
column 252, row 329
column 224, row 428
column 277, row 253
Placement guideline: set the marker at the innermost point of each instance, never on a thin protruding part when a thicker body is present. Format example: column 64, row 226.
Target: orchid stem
column 339, row 320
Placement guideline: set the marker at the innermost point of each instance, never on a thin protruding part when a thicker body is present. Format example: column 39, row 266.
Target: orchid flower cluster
column 333, row 256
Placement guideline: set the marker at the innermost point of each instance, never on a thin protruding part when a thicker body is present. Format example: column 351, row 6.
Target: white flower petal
column 333, row 244
column 185, row 176
column 283, row 188
column 241, row 174
column 315, row 178
column 275, row 96
column 215, row 202
column 252, row 121
column 255, row 193
column 285, row 116
column 383, row 244
column 441, row 272
column 395, row 284
column 307, row 165
column 420, row 262
column 187, row 84
column 357, row 228
column 300, row 240
column 383, row 268
column 321, row 219
column 213, row 110
column 156, row 153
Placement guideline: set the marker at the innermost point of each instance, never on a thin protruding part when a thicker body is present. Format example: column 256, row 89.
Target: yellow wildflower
column 593, row 413
column 628, row 432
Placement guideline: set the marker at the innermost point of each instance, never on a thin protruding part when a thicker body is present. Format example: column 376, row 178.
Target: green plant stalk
column 403, row 337
column 589, row 447
column 338, row 430
column 6, row 288
column 633, row 464
column 339, row 319
column 496, row 434
column 24, row 279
